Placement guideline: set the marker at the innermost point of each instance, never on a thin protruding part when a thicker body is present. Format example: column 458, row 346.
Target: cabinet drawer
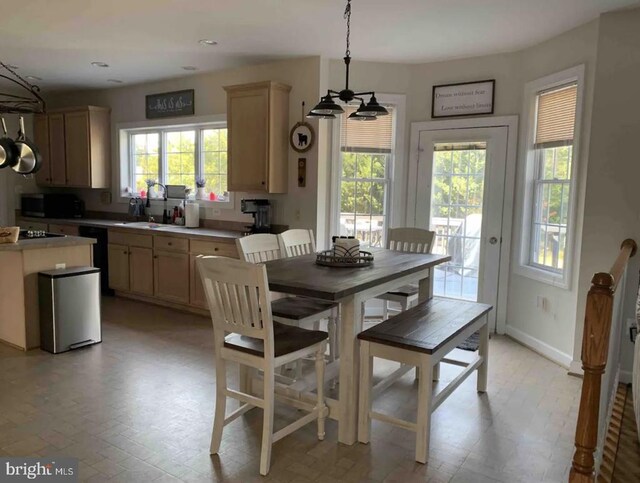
column 201, row 247
column 170, row 243
column 64, row 229
column 131, row 239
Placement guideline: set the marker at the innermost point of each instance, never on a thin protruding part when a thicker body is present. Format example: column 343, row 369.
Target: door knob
column 493, row 240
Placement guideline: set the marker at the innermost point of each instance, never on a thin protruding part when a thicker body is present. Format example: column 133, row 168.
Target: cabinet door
column 248, row 123
column 41, row 138
column 141, row 270
column 171, row 276
column 57, row 154
column 76, row 125
column 119, row 267
column 197, row 296
column 32, row 225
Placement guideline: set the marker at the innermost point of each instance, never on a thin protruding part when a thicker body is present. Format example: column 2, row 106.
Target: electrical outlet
column 215, row 212
column 297, row 215
column 61, row 265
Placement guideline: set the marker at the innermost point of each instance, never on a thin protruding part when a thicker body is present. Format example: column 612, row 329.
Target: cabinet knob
column 126, row 253
column 155, row 256
column 263, row 183
column 215, row 249
column 169, row 243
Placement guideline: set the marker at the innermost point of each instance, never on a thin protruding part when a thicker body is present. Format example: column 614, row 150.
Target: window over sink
column 175, row 155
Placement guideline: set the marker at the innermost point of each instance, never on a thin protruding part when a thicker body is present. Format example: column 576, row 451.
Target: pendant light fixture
column 327, row 108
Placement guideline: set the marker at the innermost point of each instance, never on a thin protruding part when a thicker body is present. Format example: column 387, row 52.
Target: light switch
column 302, row 172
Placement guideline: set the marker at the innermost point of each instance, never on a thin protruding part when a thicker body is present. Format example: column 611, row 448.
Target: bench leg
column 423, row 424
column 366, row 373
column 483, row 351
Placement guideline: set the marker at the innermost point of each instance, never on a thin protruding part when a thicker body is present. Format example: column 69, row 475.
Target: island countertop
column 42, row 243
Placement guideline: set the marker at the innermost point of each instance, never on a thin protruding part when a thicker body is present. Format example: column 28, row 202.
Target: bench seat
column 427, row 327
column 421, row 337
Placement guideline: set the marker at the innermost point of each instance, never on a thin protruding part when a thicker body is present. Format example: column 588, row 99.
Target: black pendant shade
column 327, row 108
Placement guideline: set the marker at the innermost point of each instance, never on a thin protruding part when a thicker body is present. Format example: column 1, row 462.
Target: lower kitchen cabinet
column 171, row 276
column 71, row 230
column 141, row 270
column 118, row 267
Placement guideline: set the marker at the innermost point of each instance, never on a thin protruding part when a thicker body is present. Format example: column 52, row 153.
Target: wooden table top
column 302, row 276
column 428, row 326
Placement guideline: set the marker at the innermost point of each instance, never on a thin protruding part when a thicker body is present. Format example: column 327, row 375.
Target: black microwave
column 52, row 205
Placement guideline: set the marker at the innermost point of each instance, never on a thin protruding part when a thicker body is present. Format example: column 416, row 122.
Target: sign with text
column 45, row 469
column 463, row 99
column 170, row 104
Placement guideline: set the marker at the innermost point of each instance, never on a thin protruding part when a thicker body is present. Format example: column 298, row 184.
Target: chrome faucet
column 164, row 192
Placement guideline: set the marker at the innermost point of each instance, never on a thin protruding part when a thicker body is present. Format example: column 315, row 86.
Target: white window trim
column 528, row 161
column 396, row 192
column 124, row 130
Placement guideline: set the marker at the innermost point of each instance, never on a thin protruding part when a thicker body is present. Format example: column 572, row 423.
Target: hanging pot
column 29, row 159
column 8, row 149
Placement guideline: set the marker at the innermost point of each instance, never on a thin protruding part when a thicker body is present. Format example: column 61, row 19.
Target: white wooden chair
column 297, row 242
column 238, row 297
column 296, row 311
column 413, row 240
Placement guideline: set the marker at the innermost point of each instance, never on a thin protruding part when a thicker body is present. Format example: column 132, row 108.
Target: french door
column 460, row 196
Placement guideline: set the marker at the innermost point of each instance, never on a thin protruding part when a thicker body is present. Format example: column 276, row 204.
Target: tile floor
column 139, row 408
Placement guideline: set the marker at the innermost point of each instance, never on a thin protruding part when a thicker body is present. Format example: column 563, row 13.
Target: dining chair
column 297, row 242
column 296, row 311
column 238, row 297
column 411, row 240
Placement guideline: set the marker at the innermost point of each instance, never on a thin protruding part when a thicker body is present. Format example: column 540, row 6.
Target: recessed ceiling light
column 33, row 77
column 99, row 64
column 207, row 42
column 189, row 67
column 115, row 81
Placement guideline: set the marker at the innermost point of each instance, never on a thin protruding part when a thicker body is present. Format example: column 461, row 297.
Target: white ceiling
column 144, row 40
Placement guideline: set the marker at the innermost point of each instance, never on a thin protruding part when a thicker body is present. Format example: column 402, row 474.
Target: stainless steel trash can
column 69, row 308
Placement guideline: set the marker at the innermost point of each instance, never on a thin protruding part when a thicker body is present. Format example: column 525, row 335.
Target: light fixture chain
column 347, row 15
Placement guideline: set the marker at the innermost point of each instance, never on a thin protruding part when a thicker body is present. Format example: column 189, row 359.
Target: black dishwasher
column 100, row 254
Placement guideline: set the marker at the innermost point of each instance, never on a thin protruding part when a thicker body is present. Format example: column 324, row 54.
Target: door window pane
column 456, row 216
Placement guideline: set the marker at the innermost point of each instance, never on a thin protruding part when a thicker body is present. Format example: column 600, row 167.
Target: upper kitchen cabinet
column 258, row 129
column 75, row 147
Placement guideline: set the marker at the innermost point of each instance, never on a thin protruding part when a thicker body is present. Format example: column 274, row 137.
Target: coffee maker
column 261, row 211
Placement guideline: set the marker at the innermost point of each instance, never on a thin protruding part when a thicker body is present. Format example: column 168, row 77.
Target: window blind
column 556, row 117
column 366, row 136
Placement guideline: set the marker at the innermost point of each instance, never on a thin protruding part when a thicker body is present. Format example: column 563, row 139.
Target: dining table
column 350, row 287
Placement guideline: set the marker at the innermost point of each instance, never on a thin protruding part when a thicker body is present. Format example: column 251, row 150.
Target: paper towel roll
column 192, row 215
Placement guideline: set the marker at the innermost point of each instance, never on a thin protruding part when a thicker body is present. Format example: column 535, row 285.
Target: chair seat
column 299, row 308
column 286, row 339
column 405, row 291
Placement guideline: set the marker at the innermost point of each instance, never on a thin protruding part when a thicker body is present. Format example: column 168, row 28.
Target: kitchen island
column 21, row 262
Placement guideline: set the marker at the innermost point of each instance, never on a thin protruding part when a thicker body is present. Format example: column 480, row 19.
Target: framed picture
column 170, row 104
column 302, row 137
column 463, row 99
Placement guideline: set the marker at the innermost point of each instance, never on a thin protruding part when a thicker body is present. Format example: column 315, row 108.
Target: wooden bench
column 422, row 336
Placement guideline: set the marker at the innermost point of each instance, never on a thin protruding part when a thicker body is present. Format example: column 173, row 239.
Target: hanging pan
column 8, row 149
column 29, row 159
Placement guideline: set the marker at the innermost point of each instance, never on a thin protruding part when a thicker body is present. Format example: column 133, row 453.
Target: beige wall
column 297, row 208
column 555, row 326
column 612, row 204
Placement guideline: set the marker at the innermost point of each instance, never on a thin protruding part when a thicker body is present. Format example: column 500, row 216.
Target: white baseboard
column 540, row 347
column 626, row 377
column 575, row 368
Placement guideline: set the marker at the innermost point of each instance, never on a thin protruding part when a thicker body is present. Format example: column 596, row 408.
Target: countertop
column 42, row 243
column 146, row 228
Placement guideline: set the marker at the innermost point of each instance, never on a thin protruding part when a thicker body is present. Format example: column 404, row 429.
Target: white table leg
column 350, row 327
column 483, row 351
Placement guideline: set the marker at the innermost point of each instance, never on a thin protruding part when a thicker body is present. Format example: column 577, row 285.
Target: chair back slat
column 413, row 240
column 297, row 242
column 238, row 296
column 259, row 248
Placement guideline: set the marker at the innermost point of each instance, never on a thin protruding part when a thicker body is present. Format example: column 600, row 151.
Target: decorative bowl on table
column 345, row 253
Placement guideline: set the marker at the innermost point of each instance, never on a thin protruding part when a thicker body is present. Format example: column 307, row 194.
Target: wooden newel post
column 595, row 350
column 595, row 347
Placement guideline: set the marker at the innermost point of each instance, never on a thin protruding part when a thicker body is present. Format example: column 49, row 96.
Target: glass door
column 461, row 174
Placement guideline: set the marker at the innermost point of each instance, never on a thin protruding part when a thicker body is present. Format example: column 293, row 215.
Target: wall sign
column 463, row 99
column 170, row 104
